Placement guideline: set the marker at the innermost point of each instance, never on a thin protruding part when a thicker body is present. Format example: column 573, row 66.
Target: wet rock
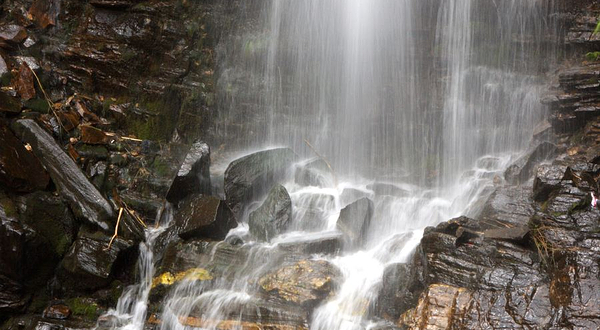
column 3, row 67
column 509, row 205
column 516, row 234
column 387, row 189
column 50, row 218
column 523, row 168
column 13, row 33
column 311, row 211
column 20, row 170
column 273, row 216
column 350, row 195
column 476, row 263
column 252, row 314
column 325, row 244
column 9, row 104
column 204, row 216
column 354, row 221
column 304, row 283
column 89, row 264
column 547, row 180
column 247, row 179
column 399, row 291
column 85, row 200
column 92, row 135
column 194, row 174
column 314, row 173
column 36, row 322
column 45, row 12
column 58, row 312
column 24, row 82
column 94, row 152
column 13, row 298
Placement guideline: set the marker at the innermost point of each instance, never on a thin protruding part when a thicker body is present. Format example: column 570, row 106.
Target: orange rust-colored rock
column 92, row 135
column 24, row 83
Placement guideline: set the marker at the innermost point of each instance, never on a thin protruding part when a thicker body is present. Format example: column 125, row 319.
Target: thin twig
column 116, row 229
column 48, row 100
column 324, row 159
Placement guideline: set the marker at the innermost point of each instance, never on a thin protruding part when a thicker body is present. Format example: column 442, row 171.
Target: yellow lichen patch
column 164, row 279
column 192, row 274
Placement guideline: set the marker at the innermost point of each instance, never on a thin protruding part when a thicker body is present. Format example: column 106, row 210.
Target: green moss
column 62, row 244
column 38, row 105
column 84, row 308
column 8, row 206
column 5, row 79
column 160, row 167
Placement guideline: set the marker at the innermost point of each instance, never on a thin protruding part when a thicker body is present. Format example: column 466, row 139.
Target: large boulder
column 203, row 216
column 305, row 283
column 247, row 179
column 547, row 180
column 83, row 197
column 89, row 263
column 273, row 216
column 194, row 174
column 354, row 221
column 20, row 170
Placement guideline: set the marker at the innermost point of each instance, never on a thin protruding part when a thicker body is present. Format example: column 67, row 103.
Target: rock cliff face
column 531, row 259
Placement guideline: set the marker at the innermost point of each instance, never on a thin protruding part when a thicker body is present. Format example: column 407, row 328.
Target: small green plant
column 592, row 56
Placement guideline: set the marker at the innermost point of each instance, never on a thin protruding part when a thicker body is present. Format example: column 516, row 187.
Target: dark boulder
column 83, row 197
column 325, row 244
column 547, row 180
column 354, row 221
column 477, row 262
column 247, row 179
column 89, row 263
column 8, row 103
column 273, row 216
column 50, row 218
column 20, row 170
column 13, row 298
column 194, row 174
column 203, row 216
column 522, row 169
column 508, row 205
column 305, row 283
column 314, row 173
column 399, row 291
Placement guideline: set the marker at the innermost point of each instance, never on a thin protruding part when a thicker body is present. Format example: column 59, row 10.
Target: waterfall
column 434, row 98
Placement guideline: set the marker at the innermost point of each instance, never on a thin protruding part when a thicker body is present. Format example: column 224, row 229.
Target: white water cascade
column 434, row 97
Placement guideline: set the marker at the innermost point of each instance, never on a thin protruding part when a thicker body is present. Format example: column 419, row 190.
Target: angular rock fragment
column 399, row 291
column 92, row 135
column 20, row 170
column 247, row 179
column 273, row 216
column 13, row 33
column 194, row 174
column 89, row 264
column 354, row 221
column 45, row 12
column 523, row 168
column 24, row 82
column 304, row 283
column 547, row 180
column 85, row 200
column 204, row 216
column 9, row 104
